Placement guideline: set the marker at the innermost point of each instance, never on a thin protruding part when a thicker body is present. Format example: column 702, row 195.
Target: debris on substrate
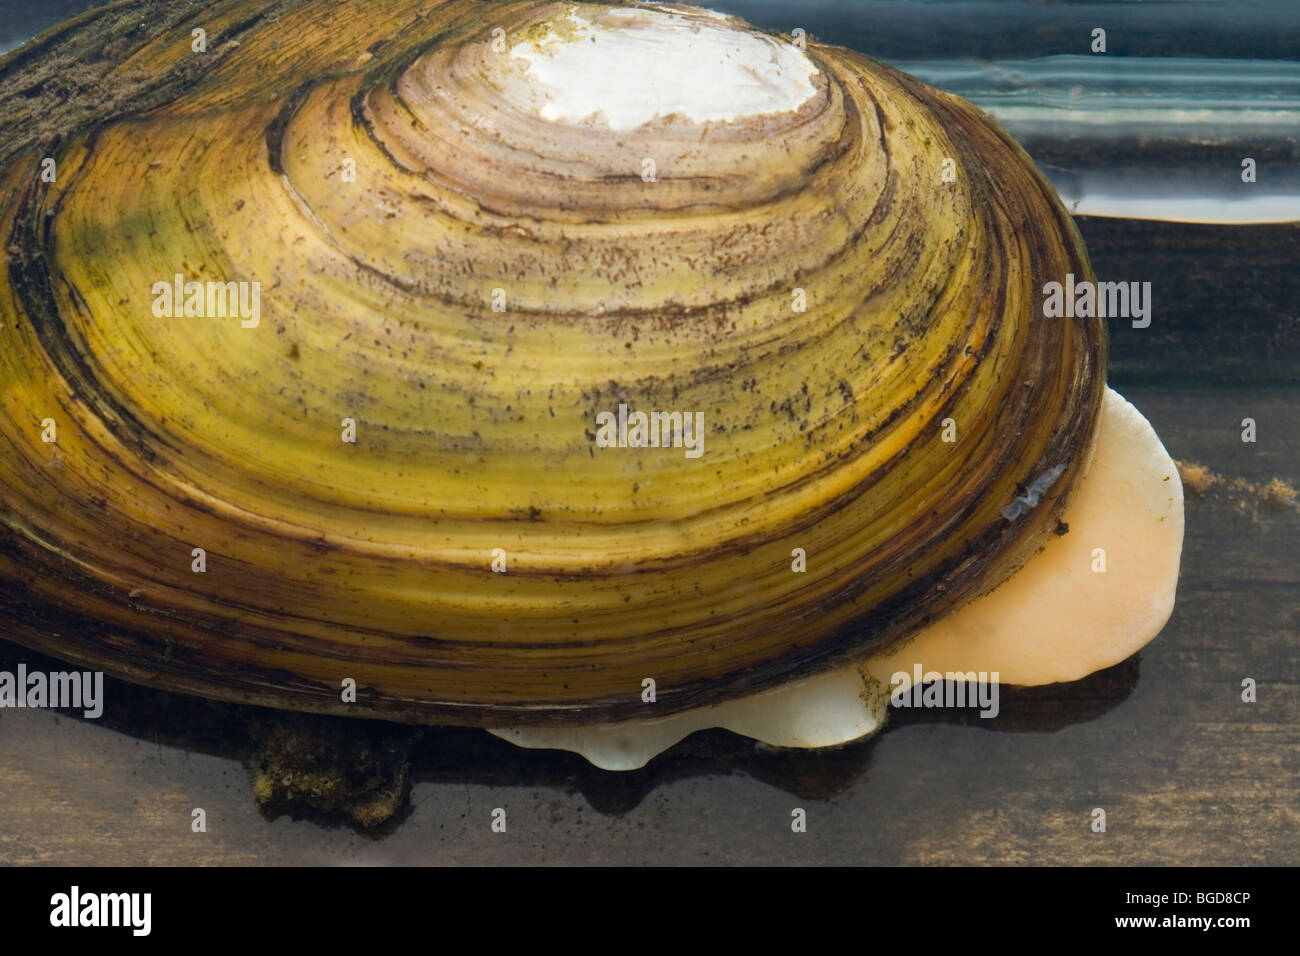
column 360, row 769
column 1247, row 497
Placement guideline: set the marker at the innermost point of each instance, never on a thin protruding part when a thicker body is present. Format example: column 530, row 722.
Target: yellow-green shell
column 475, row 429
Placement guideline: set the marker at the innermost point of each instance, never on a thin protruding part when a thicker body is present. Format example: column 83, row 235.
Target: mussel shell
column 373, row 561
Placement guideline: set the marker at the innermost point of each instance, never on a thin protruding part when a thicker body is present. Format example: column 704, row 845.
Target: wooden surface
column 1186, row 771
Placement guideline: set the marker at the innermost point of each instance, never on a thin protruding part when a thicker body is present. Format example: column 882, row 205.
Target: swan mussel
column 452, row 244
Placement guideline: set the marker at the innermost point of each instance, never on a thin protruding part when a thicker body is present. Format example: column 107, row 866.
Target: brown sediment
column 1278, row 494
column 1197, row 478
column 1275, row 494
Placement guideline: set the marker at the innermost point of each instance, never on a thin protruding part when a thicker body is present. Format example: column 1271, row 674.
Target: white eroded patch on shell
column 1055, row 620
column 636, row 65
